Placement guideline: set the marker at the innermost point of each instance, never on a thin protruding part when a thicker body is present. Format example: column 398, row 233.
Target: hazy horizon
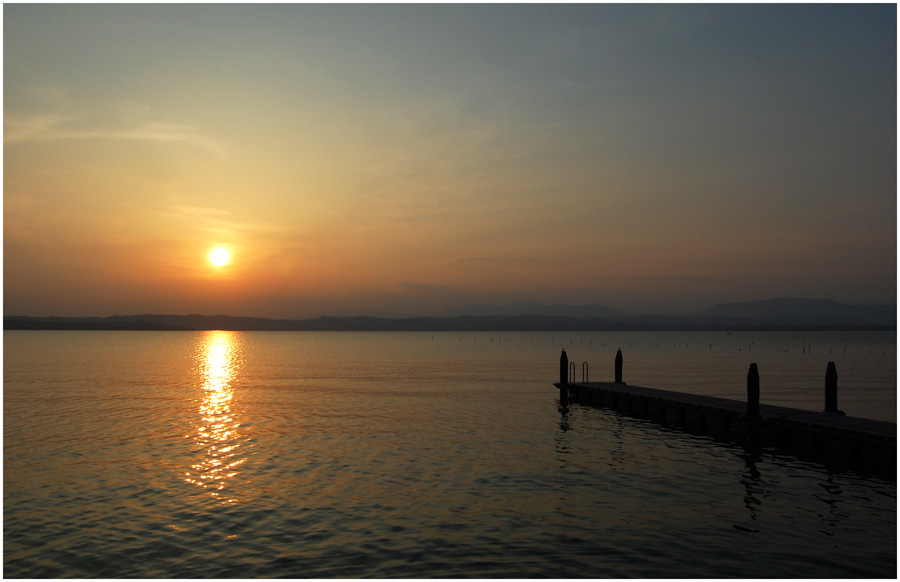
column 416, row 158
column 503, row 310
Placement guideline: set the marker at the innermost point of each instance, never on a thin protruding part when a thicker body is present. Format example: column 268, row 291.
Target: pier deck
column 826, row 436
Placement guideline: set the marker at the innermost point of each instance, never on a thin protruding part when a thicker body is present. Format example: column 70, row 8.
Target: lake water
column 228, row 454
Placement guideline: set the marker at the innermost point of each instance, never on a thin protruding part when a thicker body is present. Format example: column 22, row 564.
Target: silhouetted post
column 753, row 392
column 753, row 406
column 831, row 388
column 564, row 379
column 563, row 368
column 619, row 366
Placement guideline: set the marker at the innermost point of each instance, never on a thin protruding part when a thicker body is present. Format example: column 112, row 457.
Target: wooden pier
column 830, row 437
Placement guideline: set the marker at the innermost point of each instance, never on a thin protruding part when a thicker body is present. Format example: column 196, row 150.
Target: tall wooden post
column 753, row 409
column 564, row 379
column 619, row 366
column 831, row 388
column 753, row 393
column 563, row 368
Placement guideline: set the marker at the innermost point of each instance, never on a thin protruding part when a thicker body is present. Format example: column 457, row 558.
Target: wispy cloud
column 31, row 127
column 57, row 127
column 508, row 260
column 211, row 220
column 223, row 223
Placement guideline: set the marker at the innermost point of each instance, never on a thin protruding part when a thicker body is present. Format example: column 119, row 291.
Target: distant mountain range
column 530, row 308
column 796, row 311
column 776, row 314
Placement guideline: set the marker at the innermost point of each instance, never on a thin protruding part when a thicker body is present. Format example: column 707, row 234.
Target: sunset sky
column 406, row 159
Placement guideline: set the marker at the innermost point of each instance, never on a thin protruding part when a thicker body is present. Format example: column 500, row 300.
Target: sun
column 219, row 257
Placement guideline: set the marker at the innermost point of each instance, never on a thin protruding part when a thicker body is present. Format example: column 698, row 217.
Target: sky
column 407, row 159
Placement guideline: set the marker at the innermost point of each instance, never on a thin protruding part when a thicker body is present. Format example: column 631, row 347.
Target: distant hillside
column 776, row 314
column 133, row 323
column 806, row 312
column 531, row 308
column 357, row 323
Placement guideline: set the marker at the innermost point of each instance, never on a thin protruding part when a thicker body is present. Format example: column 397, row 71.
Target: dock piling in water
column 563, row 368
column 619, row 366
column 753, row 406
column 831, row 389
column 564, row 379
column 753, row 392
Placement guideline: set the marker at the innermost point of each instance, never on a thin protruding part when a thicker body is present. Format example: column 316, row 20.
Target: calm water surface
column 224, row 454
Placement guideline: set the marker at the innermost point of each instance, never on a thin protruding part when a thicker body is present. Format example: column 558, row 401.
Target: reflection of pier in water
column 218, row 359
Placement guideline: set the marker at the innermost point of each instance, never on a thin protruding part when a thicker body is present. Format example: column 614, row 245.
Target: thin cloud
column 53, row 127
column 31, row 127
column 212, row 220
column 509, row 260
column 220, row 222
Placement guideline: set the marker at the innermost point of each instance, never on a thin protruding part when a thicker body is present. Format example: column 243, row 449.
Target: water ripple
column 237, row 461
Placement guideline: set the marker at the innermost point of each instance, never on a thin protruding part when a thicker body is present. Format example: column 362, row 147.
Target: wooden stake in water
column 753, row 393
column 564, row 379
column 831, row 389
column 619, row 366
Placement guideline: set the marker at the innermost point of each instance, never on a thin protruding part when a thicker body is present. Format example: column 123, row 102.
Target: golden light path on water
column 219, row 359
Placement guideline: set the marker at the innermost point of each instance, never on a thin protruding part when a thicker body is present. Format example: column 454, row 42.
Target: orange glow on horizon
column 408, row 191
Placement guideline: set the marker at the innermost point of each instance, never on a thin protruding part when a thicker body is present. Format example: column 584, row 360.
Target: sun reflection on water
column 218, row 361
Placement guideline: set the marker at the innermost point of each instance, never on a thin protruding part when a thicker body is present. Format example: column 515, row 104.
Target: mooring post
column 564, row 379
column 753, row 393
column 619, row 366
column 831, row 389
column 753, row 407
column 563, row 368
